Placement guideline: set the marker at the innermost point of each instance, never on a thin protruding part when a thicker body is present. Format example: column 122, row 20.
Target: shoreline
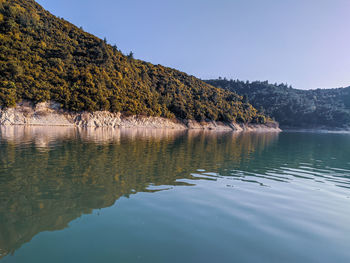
column 50, row 114
column 318, row 130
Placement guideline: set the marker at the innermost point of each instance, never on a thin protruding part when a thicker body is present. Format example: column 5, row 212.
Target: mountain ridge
column 294, row 108
column 45, row 58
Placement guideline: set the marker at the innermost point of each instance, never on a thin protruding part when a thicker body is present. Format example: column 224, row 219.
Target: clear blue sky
column 305, row 43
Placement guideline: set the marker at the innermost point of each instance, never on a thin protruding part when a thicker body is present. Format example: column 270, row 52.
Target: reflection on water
column 45, row 136
column 52, row 176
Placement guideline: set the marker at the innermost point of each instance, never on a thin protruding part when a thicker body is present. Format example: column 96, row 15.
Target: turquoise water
column 69, row 195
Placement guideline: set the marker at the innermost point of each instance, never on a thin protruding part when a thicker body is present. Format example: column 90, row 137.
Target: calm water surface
column 69, row 195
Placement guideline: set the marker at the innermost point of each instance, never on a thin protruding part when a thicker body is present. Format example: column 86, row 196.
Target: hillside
column 44, row 58
column 327, row 108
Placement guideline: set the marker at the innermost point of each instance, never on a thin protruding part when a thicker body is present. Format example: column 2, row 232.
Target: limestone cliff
column 50, row 114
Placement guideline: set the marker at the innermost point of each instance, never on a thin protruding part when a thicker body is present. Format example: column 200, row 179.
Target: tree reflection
column 51, row 176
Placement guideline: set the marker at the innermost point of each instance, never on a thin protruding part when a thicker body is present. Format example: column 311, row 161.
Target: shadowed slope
column 321, row 108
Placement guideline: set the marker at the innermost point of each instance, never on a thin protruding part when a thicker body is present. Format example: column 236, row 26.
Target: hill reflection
column 51, row 176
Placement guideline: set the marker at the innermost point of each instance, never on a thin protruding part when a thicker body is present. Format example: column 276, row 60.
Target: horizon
column 295, row 44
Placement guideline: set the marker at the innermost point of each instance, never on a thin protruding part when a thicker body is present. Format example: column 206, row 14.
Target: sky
column 304, row 43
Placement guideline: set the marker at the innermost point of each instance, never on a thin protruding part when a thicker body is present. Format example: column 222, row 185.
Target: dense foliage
column 43, row 58
column 293, row 107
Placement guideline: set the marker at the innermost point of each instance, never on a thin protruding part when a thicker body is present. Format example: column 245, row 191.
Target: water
column 69, row 195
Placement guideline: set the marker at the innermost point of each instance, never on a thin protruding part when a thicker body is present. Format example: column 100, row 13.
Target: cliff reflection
column 51, row 176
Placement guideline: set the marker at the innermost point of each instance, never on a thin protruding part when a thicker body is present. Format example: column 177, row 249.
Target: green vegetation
column 43, row 58
column 293, row 107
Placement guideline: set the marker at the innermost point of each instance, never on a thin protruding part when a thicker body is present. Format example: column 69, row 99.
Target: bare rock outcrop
column 51, row 114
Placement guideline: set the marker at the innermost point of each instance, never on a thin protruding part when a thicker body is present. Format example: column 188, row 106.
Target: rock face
column 50, row 114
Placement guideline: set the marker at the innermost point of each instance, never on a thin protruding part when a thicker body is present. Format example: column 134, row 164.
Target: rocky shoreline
column 50, row 114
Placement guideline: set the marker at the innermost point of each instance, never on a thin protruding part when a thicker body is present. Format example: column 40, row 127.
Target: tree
column 245, row 98
column 7, row 94
column 131, row 55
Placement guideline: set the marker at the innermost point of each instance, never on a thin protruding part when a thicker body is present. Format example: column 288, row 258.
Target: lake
column 104, row 195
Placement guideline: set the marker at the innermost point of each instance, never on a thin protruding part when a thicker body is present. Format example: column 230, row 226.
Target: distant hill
column 329, row 108
column 43, row 58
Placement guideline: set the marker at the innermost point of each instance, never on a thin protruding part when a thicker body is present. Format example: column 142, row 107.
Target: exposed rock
column 51, row 114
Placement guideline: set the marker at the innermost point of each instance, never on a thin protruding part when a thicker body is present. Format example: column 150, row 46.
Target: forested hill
column 328, row 108
column 43, row 58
